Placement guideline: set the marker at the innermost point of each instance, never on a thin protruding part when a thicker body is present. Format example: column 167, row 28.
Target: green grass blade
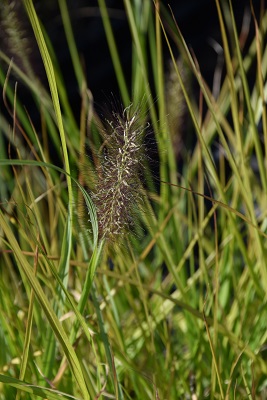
column 104, row 337
column 71, row 43
column 44, row 393
column 52, row 318
column 114, row 52
column 28, row 333
column 53, row 88
column 207, row 155
column 251, row 112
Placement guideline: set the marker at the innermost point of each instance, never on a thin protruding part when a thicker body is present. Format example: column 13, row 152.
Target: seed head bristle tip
column 117, row 190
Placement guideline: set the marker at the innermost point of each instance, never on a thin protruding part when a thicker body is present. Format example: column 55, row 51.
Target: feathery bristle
column 117, row 190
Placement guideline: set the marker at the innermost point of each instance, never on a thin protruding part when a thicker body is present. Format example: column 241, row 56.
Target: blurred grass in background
column 176, row 308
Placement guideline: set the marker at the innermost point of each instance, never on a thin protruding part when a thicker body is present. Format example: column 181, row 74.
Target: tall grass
column 116, row 282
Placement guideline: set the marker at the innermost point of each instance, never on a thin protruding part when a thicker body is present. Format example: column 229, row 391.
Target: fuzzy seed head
column 117, row 189
column 176, row 106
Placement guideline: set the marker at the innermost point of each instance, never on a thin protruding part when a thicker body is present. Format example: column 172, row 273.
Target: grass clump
column 177, row 310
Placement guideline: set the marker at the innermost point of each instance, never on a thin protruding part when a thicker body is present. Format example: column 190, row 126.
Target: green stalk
column 114, row 52
column 26, row 270
column 136, row 40
column 251, row 113
column 71, row 42
column 162, row 113
column 53, row 88
column 209, row 161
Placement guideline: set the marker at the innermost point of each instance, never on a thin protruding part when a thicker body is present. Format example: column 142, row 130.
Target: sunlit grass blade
column 26, row 346
column 261, row 73
column 53, row 88
column 44, row 393
column 105, row 340
column 251, row 112
column 208, row 159
column 52, row 318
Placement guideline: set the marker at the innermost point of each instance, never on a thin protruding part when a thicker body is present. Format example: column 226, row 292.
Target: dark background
column 197, row 19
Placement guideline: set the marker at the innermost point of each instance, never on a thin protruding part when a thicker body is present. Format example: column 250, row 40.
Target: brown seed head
column 117, row 189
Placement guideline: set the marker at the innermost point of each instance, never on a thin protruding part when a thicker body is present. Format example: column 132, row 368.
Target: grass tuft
column 179, row 311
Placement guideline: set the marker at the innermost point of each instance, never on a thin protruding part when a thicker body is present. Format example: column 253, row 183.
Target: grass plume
column 14, row 35
column 117, row 189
